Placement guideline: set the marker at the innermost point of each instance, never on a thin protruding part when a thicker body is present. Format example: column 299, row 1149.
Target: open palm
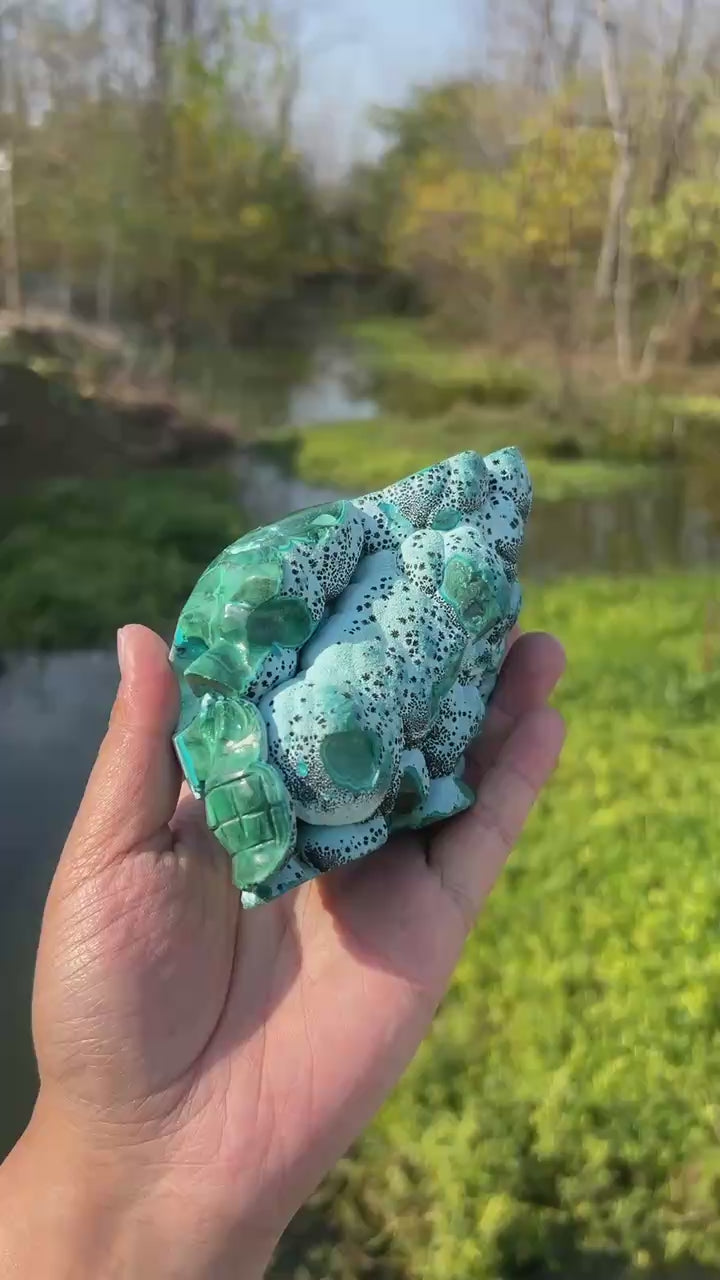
column 228, row 1058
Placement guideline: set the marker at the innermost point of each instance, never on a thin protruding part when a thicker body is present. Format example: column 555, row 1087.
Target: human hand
column 202, row 1067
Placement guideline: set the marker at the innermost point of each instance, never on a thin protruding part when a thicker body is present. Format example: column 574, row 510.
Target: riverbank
column 560, row 1118
column 577, row 410
column 114, row 495
column 357, row 457
column 435, row 398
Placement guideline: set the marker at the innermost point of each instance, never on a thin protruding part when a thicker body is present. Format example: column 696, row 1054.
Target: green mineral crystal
column 334, row 667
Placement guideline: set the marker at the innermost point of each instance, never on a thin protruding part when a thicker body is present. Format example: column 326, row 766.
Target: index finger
column 533, row 666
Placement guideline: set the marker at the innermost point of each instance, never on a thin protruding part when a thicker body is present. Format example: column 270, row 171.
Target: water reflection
column 633, row 532
column 53, row 713
column 331, row 392
column 670, row 523
column 294, row 387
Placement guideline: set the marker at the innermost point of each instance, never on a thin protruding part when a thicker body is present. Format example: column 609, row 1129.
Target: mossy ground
column 430, row 388
column 355, row 457
column 436, row 398
column 563, row 1118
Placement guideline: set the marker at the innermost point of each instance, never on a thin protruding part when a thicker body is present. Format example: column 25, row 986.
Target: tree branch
column 674, row 114
column 614, row 270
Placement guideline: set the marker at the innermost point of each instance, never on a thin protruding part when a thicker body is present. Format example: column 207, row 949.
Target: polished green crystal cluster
column 334, row 667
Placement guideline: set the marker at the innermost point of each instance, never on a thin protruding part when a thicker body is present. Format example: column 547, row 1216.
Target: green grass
column 563, row 1116
column 704, row 409
column 357, row 457
column 420, row 374
column 79, row 558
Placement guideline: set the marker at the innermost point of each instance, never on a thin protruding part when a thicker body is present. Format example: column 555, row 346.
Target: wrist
column 66, row 1214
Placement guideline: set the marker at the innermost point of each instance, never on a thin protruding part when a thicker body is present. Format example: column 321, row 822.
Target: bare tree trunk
column 106, row 280
column 614, row 271
column 573, row 49
column 103, row 66
column 623, row 292
column 159, row 24
column 547, row 47
column 606, row 272
column 17, row 66
column 673, row 125
column 4, row 103
column 695, row 312
column 11, row 262
column 189, row 19
column 65, row 283
column 11, row 266
column 289, row 91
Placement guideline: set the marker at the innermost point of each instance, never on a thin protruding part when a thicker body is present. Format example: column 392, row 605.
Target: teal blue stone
column 335, row 666
column 223, row 735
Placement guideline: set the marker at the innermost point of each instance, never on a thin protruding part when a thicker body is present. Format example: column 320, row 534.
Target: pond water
column 53, row 710
column 672, row 521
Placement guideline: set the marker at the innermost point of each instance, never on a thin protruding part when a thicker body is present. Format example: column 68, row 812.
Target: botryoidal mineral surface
column 334, row 668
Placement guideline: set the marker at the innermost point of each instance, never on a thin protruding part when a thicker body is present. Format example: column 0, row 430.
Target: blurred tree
column 158, row 176
column 681, row 235
column 498, row 221
column 161, row 187
column 614, row 272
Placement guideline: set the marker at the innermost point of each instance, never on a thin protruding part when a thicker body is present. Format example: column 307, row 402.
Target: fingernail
column 122, row 652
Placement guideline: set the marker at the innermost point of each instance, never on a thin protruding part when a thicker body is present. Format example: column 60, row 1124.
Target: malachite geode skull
column 334, row 667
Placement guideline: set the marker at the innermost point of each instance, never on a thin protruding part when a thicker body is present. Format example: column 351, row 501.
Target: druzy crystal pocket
column 334, row 667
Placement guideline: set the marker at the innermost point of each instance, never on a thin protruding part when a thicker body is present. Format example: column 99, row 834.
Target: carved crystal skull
column 334, row 668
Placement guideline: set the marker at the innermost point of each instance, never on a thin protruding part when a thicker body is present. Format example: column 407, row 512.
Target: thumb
column 133, row 788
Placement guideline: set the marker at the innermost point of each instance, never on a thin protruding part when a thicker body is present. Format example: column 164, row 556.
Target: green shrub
column 417, row 375
column 79, row 558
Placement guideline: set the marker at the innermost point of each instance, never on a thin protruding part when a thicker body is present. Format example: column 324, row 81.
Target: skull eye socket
column 446, row 519
column 352, row 758
column 478, row 595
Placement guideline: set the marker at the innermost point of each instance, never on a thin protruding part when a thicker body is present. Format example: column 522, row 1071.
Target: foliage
column 562, row 1117
column 228, row 222
column 517, row 220
column 183, row 204
column 79, row 558
column 418, row 375
column 396, row 446
column 158, row 178
column 540, row 208
column 682, row 233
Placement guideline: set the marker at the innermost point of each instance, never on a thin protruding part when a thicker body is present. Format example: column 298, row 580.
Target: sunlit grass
column 420, row 376
column 357, row 457
column 419, row 373
column 562, row 1117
